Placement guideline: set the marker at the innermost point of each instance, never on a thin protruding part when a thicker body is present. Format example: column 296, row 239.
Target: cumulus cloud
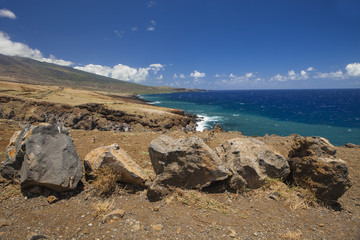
column 353, row 69
column 181, row 75
column 8, row 47
column 197, row 74
column 309, row 69
column 151, row 26
column 7, row 13
column 123, row 72
column 337, row 74
column 292, row 75
column 236, row 80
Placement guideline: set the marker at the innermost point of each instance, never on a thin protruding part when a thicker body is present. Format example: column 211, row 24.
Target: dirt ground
column 257, row 214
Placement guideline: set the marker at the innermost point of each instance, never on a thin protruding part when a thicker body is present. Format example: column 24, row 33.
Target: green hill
column 26, row 70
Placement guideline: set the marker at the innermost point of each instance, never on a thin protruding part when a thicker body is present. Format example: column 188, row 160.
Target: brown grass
column 105, row 181
column 295, row 197
column 101, row 208
column 198, row 200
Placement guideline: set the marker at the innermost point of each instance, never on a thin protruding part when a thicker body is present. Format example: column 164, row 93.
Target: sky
column 209, row 44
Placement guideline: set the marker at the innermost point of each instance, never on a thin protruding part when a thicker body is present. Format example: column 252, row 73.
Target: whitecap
column 205, row 120
column 154, row 103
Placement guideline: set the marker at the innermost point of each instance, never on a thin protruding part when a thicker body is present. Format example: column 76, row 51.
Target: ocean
column 330, row 113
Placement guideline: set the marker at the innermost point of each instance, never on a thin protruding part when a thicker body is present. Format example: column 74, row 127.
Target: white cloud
column 7, row 13
column 175, row 76
column 120, row 34
column 309, row 69
column 353, row 69
column 182, row 76
column 235, row 80
column 53, row 59
column 8, row 47
column 156, row 67
column 151, row 26
column 279, row 78
column 219, row 75
column 160, row 77
column 134, row 29
column 337, row 74
column 196, row 74
column 150, row 4
column 292, row 75
column 123, row 72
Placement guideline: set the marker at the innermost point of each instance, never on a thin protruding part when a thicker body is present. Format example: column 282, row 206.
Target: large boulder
column 43, row 155
column 120, row 162
column 251, row 161
column 314, row 165
column 187, row 163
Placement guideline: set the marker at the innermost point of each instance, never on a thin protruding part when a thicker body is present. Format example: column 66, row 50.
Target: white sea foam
column 154, row 103
column 205, row 120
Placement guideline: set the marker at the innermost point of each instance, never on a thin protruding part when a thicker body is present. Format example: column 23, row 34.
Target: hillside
column 26, row 70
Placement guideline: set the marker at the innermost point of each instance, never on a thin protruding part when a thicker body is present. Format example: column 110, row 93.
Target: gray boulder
column 314, row 165
column 251, row 161
column 120, row 162
column 187, row 163
column 43, row 155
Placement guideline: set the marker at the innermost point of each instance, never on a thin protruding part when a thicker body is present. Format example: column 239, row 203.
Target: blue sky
column 212, row 44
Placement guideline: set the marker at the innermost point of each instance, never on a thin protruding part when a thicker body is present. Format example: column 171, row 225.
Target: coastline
column 252, row 124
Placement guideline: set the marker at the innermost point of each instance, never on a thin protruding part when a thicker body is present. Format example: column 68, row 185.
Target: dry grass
column 105, row 181
column 101, row 208
column 292, row 235
column 198, row 200
column 295, row 197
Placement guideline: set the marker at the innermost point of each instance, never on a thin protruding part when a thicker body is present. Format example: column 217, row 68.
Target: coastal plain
column 186, row 214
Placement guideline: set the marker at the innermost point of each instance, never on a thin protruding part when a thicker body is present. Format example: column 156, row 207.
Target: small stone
column 114, row 216
column 156, row 209
column 5, row 222
column 232, row 233
column 90, row 224
column 35, row 236
column 321, row 225
column 157, row 227
column 178, row 230
column 136, row 227
column 52, row 199
column 275, row 196
column 2, row 234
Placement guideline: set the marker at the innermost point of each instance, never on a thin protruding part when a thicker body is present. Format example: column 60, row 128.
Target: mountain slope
column 26, row 70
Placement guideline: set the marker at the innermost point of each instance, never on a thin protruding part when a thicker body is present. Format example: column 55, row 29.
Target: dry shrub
column 101, row 208
column 292, row 235
column 198, row 200
column 105, row 181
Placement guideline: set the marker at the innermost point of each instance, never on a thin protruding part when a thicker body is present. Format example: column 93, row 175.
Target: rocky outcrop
column 314, row 165
column 43, row 155
column 120, row 162
column 251, row 161
column 90, row 116
column 187, row 163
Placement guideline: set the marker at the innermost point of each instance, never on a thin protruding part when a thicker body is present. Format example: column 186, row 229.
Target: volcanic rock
column 314, row 165
column 43, row 155
column 188, row 163
column 251, row 161
column 120, row 162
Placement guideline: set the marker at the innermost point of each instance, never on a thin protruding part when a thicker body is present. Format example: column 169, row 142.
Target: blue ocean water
column 330, row 113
